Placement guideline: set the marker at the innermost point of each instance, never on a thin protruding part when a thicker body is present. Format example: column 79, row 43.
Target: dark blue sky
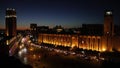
column 68, row 13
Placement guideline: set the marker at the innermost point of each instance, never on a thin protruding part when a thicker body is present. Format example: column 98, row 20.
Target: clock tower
column 108, row 23
column 108, row 30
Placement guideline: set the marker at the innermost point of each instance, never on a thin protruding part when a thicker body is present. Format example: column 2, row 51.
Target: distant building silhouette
column 10, row 22
column 42, row 29
column 92, row 29
column 33, row 27
column 33, row 30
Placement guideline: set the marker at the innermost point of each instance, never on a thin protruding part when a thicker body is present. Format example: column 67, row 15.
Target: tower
column 10, row 22
column 33, row 28
column 108, row 29
column 108, row 23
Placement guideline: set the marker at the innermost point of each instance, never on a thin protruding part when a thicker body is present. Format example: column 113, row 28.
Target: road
column 44, row 57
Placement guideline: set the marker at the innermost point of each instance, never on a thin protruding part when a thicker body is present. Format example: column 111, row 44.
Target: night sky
column 67, row 13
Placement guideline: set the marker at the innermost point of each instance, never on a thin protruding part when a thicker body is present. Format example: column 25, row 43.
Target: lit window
column 7, row 42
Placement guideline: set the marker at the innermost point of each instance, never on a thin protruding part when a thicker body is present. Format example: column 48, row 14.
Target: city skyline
column 67, row 13
column 72, row 33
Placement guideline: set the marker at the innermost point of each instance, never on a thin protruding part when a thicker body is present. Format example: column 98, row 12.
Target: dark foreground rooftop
column 12, row 62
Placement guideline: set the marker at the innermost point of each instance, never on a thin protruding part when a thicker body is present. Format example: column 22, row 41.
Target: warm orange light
column 34, row 56
column 83, row 42
column 29, row 41
column 31, row 49
column 7, row 34
column 103, row 49
column 73, row 45
column 39, row 56
column 7, row 42
column 119, row 49
column 20, row 47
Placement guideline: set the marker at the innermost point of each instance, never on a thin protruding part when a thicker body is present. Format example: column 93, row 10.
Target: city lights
column 7, row 42
column 59, row 34
column 103, row 49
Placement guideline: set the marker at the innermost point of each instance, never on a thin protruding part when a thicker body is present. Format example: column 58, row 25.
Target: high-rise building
column 33, row 27
column 10, row 21
column 108, row 30
column 33, row 30
column 108, row 23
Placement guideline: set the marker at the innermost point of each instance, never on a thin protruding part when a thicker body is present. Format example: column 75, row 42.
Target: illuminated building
column 108, row 29
column 108, row 23
column 85, row 42
column 10, row 21
column 96, row 37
